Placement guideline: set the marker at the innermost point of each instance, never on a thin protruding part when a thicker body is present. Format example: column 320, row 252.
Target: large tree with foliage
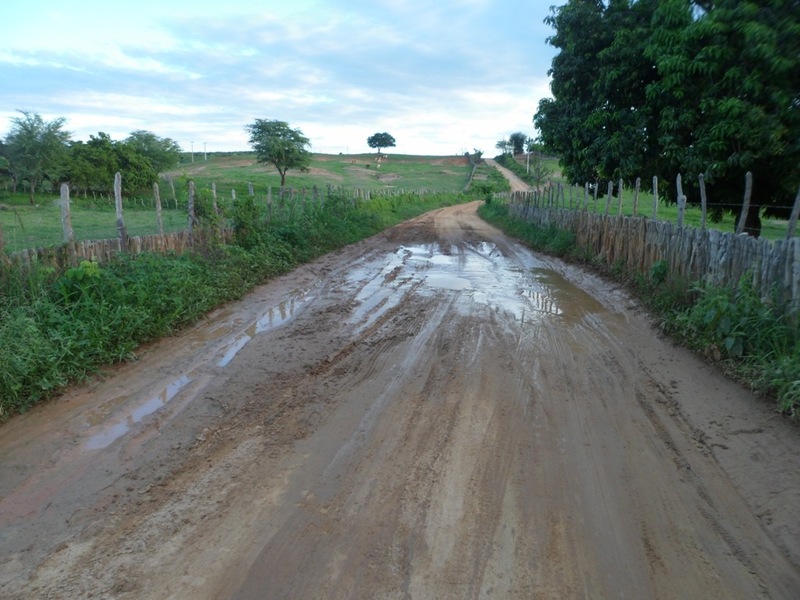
column 660, row 87
column 161, row 153
column 380, row 141
column 93, row 165
column 517, row 142
column 728, row 96
column 277, row 144
column 36, row 149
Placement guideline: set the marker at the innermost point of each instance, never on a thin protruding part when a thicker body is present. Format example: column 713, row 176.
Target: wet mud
column 435, row 412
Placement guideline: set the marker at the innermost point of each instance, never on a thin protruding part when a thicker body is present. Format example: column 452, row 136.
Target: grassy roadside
column 747, row 338
column 57, row 329
column 94, row 216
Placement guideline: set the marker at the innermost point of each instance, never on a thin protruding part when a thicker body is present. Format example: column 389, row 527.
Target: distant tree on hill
column 380, row 141
column 277, row 144
column 517, row 141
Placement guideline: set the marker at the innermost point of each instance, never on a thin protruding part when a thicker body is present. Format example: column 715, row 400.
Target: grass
column 26, row 226
column 60, row 328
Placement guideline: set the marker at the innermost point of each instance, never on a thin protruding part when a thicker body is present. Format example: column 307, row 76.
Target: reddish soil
column 435, row 412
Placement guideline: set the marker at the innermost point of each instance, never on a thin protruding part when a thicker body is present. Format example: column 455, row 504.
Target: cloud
column 438, row 76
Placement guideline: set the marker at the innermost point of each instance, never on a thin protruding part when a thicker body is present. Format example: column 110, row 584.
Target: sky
column 443, row 77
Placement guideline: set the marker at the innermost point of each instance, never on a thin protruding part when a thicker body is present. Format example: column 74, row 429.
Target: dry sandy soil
column 435, row 412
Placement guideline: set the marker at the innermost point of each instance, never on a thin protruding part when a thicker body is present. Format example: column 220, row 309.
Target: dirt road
column 517, row 185
column 435, row 412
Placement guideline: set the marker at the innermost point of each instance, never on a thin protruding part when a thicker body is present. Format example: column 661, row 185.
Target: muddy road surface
column 435, row 412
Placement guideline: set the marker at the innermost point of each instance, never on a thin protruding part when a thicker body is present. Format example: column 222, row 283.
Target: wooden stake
column 159, row 220
column 748, row 191
column 636, row 196
column 66, row 220
column 121, row 232
column 608, row 197
column 655, row 197
column 703, row 201
column 192, row 216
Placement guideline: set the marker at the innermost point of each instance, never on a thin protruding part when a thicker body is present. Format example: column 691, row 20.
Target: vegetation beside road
column 59, row 328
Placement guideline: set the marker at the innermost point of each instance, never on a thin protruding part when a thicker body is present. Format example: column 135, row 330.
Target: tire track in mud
column 446, row 415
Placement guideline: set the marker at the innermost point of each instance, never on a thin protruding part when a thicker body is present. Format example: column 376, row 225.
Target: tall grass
column 59, row 328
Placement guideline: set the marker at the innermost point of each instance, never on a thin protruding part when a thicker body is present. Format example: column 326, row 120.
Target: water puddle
column 273, row 318
column 481, row 274
column 117, row 416
column 119, row 426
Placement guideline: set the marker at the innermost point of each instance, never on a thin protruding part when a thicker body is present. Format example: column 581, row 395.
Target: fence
column 286, row 201
column 696, row 254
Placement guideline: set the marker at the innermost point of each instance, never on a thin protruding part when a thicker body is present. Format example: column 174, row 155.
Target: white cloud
column 439, row 76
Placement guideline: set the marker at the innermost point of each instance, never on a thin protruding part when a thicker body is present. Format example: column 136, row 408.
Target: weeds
column 59, row 328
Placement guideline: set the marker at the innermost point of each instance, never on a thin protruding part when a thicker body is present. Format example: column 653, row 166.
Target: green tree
column 661, row 87
column 728, row 95
column 380, row 141
column 564, row 121
column 93, row 165
column 36, row 149
column 276, row 143
column 161, row 153
column 517, row 142
column 503, row 145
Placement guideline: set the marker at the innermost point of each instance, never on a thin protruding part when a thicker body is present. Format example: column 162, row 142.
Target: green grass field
column 26, row 226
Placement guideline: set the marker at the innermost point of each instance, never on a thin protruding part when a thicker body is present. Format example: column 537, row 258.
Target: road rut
column 435, row 412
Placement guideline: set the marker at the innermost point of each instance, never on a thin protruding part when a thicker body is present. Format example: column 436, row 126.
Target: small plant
column 659, row 272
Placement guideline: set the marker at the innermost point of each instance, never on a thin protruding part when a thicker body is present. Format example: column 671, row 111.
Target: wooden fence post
column 585, row 196
column 192, row 216
column 619, row 198
column 159, row 220
column 748, row 190
column 233, row 193
column 596, row 189
column 214, row 198
column 608, row 197
column 636, row 196
column 66, row 219
column 681, row 200
column 250, row 189
column 655, row 197
column 793, row 218
column 121, row 233
column 703, row 201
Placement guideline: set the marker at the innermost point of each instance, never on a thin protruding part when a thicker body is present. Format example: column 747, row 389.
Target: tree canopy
column 276, row 143
column 161, row 153
column 36, row 149
column 93, row 164
column 517, row 141
column 380, row 141
column 661, row 87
